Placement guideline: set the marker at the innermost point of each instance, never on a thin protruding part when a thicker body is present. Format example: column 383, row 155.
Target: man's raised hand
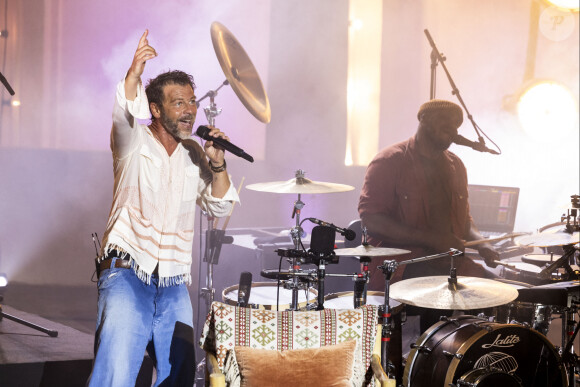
column 142, row 55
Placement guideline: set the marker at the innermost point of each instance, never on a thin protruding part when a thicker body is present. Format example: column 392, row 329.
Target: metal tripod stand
column 49, row 332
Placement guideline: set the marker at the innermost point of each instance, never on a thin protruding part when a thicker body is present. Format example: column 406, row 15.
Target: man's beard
column 172, row 127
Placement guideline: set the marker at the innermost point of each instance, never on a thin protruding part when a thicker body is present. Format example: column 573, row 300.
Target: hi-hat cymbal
column 240, row 72
column 369, row 251
column 553, row 236
column 436, row 293
column 300, row 185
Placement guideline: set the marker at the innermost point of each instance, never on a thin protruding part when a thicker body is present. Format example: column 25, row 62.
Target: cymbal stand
column 208, row 292
column 360, row 283
column 570, row 331
column 296, row 233
column 211, row 111
column 362, row 279
column 388, row 268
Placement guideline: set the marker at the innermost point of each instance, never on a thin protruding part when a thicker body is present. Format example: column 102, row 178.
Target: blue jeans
column 132, row 317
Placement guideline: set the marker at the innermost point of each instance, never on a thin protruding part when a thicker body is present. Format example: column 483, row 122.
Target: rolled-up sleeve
column 219, row 207
column 124, row 134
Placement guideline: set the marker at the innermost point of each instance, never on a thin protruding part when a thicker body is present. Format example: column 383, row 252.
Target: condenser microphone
column 244, row 288
column 478, row 146
column 203, row 132
column 345, row 232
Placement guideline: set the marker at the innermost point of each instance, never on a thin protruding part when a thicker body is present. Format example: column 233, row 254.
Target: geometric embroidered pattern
column 263, row 335
column 350, row 317
column 223, row 331
column 263, row 315
column 307, row 318
column 349, row 334
column 227, row 326
column 307, row 338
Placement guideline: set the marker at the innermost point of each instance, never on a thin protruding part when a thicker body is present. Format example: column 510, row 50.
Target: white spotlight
column 547, row 111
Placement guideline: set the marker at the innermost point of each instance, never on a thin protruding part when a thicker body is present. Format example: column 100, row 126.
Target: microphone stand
column 208, row 292
column 437, row 57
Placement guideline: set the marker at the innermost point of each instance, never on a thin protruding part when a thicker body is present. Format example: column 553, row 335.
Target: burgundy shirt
column 400, row 183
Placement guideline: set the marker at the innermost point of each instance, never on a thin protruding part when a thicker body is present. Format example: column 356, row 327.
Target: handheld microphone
column 244, row 288
column 478, row 146
column 345, row 232
column 203, row 132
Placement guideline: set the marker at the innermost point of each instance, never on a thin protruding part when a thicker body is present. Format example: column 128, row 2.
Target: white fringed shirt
column 152, row 217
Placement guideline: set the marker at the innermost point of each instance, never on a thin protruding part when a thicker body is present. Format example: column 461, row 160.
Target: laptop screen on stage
column 493, row 208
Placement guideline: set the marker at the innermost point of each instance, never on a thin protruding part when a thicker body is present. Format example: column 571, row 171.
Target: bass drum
column 472, row 350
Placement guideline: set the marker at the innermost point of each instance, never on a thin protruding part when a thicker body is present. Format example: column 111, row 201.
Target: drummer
column 414, row 197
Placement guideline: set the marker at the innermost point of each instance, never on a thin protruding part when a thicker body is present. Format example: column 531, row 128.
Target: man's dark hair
column 154, row 88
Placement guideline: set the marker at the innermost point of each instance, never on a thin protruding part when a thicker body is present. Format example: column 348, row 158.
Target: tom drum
column 263, row 296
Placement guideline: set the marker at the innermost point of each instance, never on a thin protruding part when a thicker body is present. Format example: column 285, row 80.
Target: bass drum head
column 489, row 377
column 451, row 349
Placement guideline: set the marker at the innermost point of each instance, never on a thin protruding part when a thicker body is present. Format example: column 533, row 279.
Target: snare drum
column 263, row 296
column 469, row 351
column 345, row 300
column 524, row 272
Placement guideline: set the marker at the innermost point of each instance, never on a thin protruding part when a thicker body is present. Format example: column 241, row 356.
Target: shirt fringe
column 143, row 275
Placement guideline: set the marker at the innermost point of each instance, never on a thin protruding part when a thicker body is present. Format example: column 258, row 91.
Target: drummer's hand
column 489, row 255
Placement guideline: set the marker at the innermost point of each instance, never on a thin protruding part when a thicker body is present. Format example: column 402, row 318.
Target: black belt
column 119, row 263
column 107, row 262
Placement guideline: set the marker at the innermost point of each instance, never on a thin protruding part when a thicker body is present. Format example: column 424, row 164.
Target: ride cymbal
column 300, row 185
column 369, row 251
column 550, row 237
column 436, row 293
column 240, row 72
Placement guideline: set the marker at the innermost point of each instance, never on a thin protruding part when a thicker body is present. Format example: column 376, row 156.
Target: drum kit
column 505, row 344
column 505, row 347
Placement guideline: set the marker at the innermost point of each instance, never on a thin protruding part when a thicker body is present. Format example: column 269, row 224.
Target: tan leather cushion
column 325, row 366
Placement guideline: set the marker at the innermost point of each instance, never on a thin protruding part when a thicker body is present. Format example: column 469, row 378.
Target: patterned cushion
column 228, row 326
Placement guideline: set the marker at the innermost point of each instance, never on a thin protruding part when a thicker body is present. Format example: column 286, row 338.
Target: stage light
column 570, row 5
column 363, row 81
column 3, row 280
column 547, row 110
column 15, row 103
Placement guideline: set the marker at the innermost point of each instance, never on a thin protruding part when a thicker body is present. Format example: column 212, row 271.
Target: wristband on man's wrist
column 219, row 169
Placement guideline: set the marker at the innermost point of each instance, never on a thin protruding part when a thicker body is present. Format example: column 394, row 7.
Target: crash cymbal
column 300, row 185
column 240, row 72
column 369, row 251
column 435, row 293
column 553, row 236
